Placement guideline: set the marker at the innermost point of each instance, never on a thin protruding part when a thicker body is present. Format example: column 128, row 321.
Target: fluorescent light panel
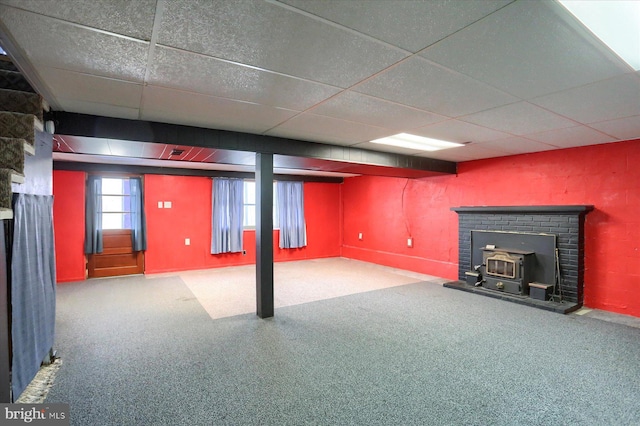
column 615, row 22
column 406, row 140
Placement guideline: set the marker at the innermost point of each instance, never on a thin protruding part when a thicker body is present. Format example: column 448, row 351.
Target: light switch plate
column 167, row 204
column 159, row 204
column 187, row 241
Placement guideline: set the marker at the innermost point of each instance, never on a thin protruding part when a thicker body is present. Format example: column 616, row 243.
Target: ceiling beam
column 364, row 161
column 149, row 170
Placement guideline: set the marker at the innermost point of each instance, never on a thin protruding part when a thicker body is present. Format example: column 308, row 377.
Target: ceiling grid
column 504, row 77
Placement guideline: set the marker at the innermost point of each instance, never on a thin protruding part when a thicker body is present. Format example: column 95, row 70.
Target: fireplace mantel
column 559, row 209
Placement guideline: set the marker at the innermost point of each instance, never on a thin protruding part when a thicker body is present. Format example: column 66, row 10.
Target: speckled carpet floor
column 144, row 351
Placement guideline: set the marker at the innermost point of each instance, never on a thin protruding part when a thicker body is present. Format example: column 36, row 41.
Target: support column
column 264, row 235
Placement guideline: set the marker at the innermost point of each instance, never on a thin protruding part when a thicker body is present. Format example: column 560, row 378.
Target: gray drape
column 227, row 211
column 138, row 219
column 33, row 288
column 293, row 229
column 93, row 216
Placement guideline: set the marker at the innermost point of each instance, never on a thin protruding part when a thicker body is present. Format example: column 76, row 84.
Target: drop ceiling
column 504, row 77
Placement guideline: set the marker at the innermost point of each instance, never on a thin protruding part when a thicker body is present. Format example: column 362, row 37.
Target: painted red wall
column 607, row 176
column 322, row 216
column 68, row 223
column 190, row 217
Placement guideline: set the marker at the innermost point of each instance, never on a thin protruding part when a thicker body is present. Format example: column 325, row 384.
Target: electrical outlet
column 167, row 204
column 360, row 236
column 409, row 242
column 187, row 241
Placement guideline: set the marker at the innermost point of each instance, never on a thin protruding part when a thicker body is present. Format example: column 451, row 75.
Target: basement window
column 249, row 214
column 116, row 203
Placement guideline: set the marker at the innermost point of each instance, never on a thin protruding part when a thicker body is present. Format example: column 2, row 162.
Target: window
column 116, row 203
column 249, row 214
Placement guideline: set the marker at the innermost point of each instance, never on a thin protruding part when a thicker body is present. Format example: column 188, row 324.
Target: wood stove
column 508, row 270
column 554, row 233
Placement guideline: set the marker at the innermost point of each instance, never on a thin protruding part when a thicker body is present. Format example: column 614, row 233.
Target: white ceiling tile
column 53, row 43
column 198, row 73
column 572, row 137
column 85, row 87
column 410, row 25
column 618, row 97
column 365, row 109
column 623, row 128
column 174, row 106
column 465, row 153
column 96, row 108
column 528, row 49
column 130, row 18
column 517, row 145
column 459, row 131
column 339, row 131
column 268, row 36
column 422, row 84
column 520, row 118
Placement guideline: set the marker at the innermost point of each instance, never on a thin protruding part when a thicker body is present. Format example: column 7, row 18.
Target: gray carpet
column 144, row 352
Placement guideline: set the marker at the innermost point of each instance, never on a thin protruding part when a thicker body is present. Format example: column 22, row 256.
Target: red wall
column 607, row 176
column 68, row 223
column 190, row 217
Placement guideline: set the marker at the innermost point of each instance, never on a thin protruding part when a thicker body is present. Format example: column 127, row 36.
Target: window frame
column 122, row 213
column 250, row 227
column 121, row 176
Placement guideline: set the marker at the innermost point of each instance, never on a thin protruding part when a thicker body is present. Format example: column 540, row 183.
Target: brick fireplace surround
column 566, row 222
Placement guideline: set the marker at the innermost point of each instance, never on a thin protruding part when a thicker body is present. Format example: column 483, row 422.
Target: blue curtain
column 138, row 220
column 33, row 287
column 227, row 212
column 293, row 229
column 93, row 216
